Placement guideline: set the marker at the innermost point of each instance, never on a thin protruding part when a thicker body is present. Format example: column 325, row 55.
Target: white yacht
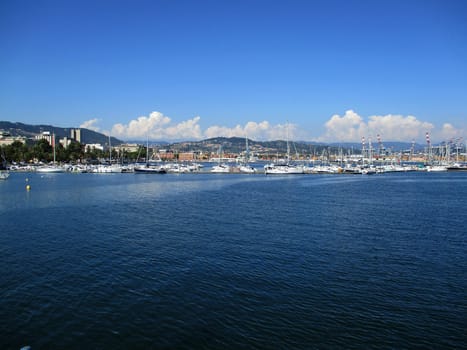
column 284, row 168
column 247, row 169
column 149, row 169
column 437, row 168
column 221, row 168
column 107, row 168
column 4, row 175
column 53, row 168
column 50, row 169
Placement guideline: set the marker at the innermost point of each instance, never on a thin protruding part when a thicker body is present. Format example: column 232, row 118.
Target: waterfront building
column 65, row 142
column 45, row 135
column 93, row 146
column 127, row 147
column 7, row 139
column 75, row 134
column 166, row 154
column 186, row 156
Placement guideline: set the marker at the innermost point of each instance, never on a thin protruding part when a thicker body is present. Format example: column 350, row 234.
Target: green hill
column 29, row 131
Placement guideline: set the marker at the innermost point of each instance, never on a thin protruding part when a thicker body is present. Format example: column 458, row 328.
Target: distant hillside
column 228, row 144
column 238, row 145
column 29, row 131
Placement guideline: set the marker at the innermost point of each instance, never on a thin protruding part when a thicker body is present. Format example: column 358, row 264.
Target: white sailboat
column 220, row 167
column 284, row 168
column 53, row 168
column 108, row 168
column 148, row 168
column 436, row 168
column 245, row 167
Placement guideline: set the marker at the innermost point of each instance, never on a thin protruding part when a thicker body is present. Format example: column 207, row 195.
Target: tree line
column 42, row 151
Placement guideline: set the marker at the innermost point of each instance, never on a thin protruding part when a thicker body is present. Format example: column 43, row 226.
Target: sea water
column 212, row 261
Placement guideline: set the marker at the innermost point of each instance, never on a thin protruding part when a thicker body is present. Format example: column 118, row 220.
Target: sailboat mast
column 53, row 145
column 247, row 151
column 288, row 147
column 147, row 149
column 110, row 151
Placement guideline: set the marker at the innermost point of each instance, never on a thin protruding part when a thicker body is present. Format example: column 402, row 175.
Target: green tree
column 75, row 151
column 42, row 151
column 16, row 152
column 60, row 153
column 93, row 154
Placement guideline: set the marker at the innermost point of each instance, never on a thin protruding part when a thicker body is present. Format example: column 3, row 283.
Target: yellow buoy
column 28, row 187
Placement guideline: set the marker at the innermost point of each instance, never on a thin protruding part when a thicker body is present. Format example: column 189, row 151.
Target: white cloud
column 398, row 128
column 449, row 132
column 217, row 131
column 348, row 128
column 159, row 127
column 188, row 129
column 91, row 125
column 351, row 128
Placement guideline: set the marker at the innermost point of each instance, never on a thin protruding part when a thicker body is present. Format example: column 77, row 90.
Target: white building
column 6, row 138
column 46, row 135
column 93, row 146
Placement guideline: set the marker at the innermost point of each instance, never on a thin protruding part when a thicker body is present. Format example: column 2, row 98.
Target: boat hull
column 275, row 169
column 150, row 170
column 50, row 169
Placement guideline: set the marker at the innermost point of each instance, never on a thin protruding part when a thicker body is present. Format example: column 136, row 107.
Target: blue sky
column 335, row 70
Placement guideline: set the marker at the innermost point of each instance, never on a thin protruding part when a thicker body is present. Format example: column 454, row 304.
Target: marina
column 369, row 160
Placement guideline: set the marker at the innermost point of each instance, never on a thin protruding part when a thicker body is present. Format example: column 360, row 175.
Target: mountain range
column 228, row 145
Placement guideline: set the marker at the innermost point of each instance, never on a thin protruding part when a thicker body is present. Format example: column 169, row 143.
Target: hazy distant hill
column 238, row 145
column 29, row 131
column 228, row 144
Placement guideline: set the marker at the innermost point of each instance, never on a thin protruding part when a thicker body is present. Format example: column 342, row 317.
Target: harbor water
column 212, row 261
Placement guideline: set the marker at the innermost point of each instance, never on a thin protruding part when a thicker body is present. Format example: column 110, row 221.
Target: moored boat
column 107, row 168
column 457, row 167
column 436, row 168
column 247, row 169
column 284, row 168
column 4, row 175
column 221, row 168
column 149, row 169
column 50, row 169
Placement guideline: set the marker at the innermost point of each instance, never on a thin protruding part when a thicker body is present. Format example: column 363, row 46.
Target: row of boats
column 358, row 169
column 278, row 168
column 117, row 168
